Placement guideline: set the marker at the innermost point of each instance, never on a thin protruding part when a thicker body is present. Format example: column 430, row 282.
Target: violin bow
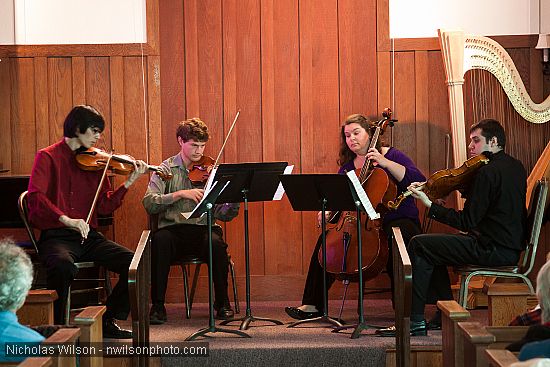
column 227, row 137
column 103, row 175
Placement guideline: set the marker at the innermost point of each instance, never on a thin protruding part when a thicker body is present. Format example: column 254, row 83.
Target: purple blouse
column 408, row 208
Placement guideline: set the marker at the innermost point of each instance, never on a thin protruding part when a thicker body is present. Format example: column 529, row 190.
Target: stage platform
column 277, row 345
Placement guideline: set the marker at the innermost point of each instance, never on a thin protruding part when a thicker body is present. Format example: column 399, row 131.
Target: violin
column 200, row 171
column 95, row 159
column 443, row 182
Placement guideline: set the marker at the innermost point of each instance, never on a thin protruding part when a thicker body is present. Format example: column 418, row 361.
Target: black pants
column 61, row 248
column 313, row 289
column 175, row 242
column 431, row 254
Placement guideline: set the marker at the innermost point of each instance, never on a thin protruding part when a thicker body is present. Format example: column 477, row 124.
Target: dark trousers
column 182, row 240
column 61, row 248
column 313, row 289
column 431, row 254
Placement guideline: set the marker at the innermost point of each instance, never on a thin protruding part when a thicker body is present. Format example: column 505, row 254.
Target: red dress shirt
column 59, row 187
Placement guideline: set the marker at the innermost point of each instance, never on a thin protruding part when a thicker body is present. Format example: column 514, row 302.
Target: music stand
column 249, row 182
column 314, row 192
column 205, row 206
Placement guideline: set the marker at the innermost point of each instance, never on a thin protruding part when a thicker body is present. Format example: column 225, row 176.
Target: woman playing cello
column 354, row 150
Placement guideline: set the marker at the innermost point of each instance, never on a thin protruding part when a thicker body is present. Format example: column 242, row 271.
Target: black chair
column 104, row 283
column 186, row 264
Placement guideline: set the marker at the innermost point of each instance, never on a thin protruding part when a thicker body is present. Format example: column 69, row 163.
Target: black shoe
column 224, row 311
column 435, row 322
column 418, row 328
column 112, row 330
column 157, row 315
column 298, row 314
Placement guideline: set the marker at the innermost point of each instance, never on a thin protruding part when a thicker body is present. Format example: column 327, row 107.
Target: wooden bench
column 38, row 308
column 500, row 357
column 478, row 338
column 451, row 314
column 506, row 301
column 90, row 322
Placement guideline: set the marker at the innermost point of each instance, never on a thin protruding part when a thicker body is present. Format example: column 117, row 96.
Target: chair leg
column 186, row 291
column 235, row 293
column 464, row 284
column 68, row 307
column 108, row 286
column 194, row 287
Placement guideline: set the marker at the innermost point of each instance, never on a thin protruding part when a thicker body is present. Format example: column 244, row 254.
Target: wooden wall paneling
column 439, row 117
column 281, row 129
column 439, row 114
column 41, row 102
column 172, row 72
column 385, row 80
column 242, row 90
column 98, row 94
column 319, row 99
column 5, row 114
column 404, row 131
column 79, row 80
column 383, row 25
column 131, row 215
column 154, row 149
column 116, row 127
column 23, row 128
column 357, row 57
column 152, row 13
column 421, row 69
column 203, row 70
column 60, row 94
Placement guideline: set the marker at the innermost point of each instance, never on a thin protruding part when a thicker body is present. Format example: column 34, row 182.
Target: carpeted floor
column 311, row 344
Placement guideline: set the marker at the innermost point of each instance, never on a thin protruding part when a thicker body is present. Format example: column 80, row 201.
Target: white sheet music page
column 362, row 196
column 188, row 215
column 280, row 189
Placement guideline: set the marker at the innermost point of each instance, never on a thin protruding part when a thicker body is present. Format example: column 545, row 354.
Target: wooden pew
column 506, row 301
column 38, row 308
column 90, row 322
column 139, row 275
column 61, row 336
column 402, row 270
column 478, row 338
column 451, row 314
column 500, row 357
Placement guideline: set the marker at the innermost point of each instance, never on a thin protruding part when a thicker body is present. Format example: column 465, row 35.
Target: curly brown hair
column 193, row 128
column 345, row 153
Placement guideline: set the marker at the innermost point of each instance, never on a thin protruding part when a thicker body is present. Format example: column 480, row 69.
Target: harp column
column 452, row 49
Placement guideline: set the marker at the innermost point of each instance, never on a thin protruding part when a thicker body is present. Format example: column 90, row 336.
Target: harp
column 462, row 53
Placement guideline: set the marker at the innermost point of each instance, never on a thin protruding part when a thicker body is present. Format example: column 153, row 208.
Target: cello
column 341, row 238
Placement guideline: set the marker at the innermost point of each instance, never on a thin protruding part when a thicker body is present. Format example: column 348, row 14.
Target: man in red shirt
column 59, row 200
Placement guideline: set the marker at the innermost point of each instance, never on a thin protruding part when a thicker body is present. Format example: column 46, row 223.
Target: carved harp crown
column 463, row 52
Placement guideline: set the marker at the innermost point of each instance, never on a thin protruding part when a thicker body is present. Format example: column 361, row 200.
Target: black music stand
column 205, row 206
column 314, row 192
column 249, row 182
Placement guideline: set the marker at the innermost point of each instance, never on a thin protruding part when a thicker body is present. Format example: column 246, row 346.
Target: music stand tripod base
column 212, row 328
column 250, row 182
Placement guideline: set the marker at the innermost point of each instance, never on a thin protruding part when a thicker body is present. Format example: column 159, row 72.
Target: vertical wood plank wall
column 295, row 70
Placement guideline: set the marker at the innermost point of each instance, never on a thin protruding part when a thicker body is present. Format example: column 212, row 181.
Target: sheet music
column 281, row 190
column 362, row 196
column 208, row 185
column 188, row 215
